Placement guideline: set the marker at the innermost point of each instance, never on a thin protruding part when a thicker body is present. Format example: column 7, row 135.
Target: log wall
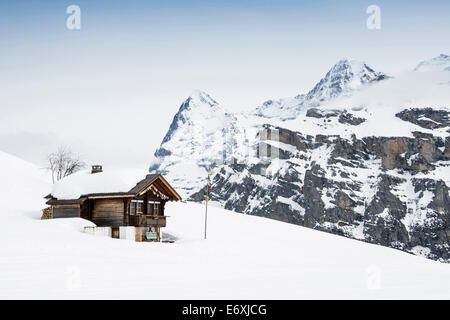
column 67, row 211
column 108, row 212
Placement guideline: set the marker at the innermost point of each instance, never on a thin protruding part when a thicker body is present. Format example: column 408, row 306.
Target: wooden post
column 207, row 198
column 206, row 216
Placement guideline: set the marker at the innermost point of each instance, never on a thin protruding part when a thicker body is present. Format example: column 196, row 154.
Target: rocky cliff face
column 390, row 191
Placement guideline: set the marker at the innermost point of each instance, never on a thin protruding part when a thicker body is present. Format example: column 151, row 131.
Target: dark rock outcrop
column 427, row 118
column 342, row 115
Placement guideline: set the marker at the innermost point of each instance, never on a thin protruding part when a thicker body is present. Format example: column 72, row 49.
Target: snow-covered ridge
column 344, row 78
column 439, row 63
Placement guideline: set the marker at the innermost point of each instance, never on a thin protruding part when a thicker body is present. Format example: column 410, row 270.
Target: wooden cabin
column 142, row 206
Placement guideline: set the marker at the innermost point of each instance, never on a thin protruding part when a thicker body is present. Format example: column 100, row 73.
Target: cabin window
column 136, row 207
column 154, row 208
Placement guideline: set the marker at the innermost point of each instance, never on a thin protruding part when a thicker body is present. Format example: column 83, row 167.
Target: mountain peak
column 197, row 106
column 344, row 77
column 439, row 63
column 202, row 134
column 349, row 62
column 355, row 66
column 201, row 97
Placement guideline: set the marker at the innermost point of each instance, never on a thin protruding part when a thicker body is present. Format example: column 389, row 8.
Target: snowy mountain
column 54, row 259
column 202, row 134
column 369, row 162
column 343, row 79
column 439, row 63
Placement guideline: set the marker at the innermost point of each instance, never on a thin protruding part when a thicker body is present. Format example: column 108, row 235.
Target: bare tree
column 63, row 163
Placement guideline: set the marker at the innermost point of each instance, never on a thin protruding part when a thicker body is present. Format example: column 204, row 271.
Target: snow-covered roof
column 85, row 183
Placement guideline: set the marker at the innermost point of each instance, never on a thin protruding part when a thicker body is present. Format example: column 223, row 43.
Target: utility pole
column 208, row 188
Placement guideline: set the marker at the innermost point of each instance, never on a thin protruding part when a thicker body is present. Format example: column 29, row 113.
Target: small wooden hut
column 142, row 206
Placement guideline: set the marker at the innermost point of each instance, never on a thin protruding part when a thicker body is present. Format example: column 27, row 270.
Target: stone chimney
column 96, row 169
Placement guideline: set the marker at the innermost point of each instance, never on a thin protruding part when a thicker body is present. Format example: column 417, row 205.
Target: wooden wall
column 84, row 210
column 66, row 211
column 108, row 212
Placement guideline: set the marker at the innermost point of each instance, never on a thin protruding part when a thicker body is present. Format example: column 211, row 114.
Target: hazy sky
column 111, row 88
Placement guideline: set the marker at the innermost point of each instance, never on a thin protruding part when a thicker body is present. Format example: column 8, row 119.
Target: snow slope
column 243, row 257
column 21, row 183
